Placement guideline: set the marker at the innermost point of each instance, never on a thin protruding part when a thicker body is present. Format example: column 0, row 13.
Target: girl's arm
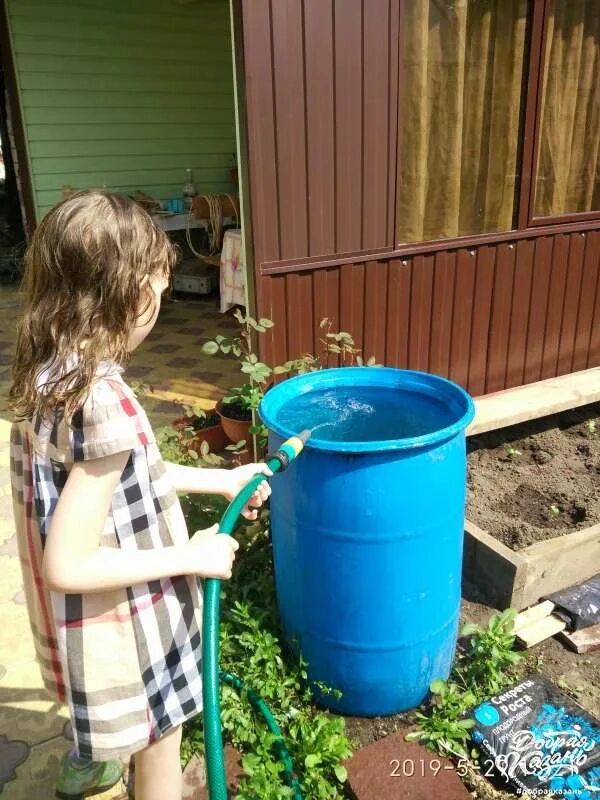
column 227, row 482
column 74, row 561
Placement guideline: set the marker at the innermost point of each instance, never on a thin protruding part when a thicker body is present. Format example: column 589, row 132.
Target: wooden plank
column 497, row 571
column 517, row 579
column 583, row 641
column 539, row 630
column 533, row 614
column 535, row 400
column 561, row 562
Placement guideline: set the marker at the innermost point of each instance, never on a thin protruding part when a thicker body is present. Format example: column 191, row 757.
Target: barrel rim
column 386, row 377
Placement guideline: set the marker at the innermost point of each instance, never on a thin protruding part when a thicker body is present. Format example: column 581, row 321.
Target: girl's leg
column 158, row 769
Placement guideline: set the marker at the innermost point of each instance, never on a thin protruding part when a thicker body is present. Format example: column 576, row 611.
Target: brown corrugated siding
column 487, row 317
column 322, row 100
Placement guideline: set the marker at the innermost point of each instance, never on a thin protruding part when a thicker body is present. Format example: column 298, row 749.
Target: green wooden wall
column 125, row 94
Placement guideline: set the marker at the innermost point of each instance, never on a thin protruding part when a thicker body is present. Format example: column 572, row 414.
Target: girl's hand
column 212, row 553
column 236, row 479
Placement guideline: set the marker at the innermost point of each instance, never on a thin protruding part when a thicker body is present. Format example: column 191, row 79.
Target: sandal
column 80, row 778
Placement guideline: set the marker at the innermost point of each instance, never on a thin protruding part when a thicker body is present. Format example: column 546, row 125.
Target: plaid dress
column 127, row 661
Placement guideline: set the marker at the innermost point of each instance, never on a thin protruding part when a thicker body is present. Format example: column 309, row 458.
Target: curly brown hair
column 84, row 268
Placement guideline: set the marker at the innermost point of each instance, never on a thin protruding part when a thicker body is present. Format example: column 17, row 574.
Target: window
column 568, row 158
column 461, row 74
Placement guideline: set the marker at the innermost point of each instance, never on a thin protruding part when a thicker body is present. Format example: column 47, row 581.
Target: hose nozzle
column 288, row 451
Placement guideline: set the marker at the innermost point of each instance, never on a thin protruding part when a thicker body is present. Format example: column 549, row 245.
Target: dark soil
column 577, row 675
column 201, row 423
column 235, row 410
column 537, row 480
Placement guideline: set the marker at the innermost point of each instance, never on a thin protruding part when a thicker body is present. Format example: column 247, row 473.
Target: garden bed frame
column 508, row 578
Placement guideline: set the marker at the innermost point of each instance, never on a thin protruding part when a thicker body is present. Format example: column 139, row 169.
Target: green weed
column 484, row 669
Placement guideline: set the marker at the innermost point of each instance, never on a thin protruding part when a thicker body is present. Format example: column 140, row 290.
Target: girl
column 110, row 576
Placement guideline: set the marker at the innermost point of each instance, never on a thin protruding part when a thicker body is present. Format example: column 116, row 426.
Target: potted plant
column 198, row 426
column 238, row 409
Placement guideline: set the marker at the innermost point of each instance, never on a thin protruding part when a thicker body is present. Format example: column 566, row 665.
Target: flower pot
column 214, row 436
column 236, row 429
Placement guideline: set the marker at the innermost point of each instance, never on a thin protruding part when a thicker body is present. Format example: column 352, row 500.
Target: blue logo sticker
column 486, row 714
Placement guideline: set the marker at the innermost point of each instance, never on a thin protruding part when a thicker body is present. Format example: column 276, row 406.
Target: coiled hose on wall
column 213, row 735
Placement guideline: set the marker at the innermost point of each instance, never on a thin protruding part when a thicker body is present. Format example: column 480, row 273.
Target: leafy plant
column 484, row 669
column 489, row 653
column 553, row 510
column 446, row 729
column 512, row 452
column 140, row 388
column 198, row 417
column 250, row 647
column 590, row 427
column 175, row 447
column 247, row 397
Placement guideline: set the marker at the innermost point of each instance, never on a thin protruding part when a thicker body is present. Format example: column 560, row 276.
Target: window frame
column 531, row 129
column 527, row 145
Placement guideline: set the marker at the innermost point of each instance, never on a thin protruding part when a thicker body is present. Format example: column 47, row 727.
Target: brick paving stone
column 419, row 774
column 12, row 754
column 162, row 348
column 194, row 775
column 183, row 361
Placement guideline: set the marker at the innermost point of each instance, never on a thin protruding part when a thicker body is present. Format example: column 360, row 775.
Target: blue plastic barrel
column 367, row 530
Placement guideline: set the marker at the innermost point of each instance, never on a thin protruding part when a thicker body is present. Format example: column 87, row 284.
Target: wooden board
column 539, row 630
column 517, row 579
column 582, row 641
column 561, row 562
column 509, row 407
column 533, row 614
column 497, row 571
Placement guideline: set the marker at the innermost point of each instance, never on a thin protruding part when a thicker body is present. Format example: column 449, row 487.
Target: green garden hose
column 213, row 736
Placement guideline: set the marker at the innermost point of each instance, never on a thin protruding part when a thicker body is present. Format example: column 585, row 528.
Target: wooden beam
column 508, row 578
column 539, row 630
column 524, row 403
column 533, row 614
column 583, row 641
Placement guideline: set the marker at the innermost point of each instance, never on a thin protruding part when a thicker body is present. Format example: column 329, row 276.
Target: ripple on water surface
column 364, row 414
